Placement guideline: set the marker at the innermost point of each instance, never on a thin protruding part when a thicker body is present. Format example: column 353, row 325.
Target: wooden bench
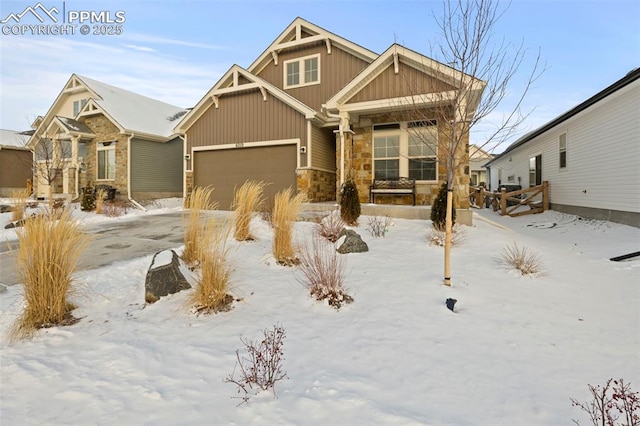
column 396, row 186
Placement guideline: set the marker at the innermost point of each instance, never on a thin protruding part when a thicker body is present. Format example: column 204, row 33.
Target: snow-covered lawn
column 514, row 352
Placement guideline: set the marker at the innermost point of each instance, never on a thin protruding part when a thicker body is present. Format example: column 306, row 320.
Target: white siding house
column 590, row 156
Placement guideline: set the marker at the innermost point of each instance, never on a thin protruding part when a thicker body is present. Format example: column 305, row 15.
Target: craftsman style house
column 97, row 134
column 590, row 155
column 315, row 109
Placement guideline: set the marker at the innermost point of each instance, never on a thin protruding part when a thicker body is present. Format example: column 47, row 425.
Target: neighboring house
column 314, row 109
column 477, row 159
column 15, row 162
column 590, row 156
column 97, row 134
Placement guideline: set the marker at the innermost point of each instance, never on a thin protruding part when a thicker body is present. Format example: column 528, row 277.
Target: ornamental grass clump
column 285, row 212
column 47, row 257
column 247, row 199
column 20, row 197
column 521, row 259
column 322, row 272
column 211, row 290
column 330, row 227
column 100, row 196
column 198, row 200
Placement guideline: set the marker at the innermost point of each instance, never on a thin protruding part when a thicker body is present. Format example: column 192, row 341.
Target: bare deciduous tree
column 50, row 157
column 475, row 80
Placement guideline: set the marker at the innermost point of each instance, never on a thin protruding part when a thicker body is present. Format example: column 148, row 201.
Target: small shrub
column 47, row 257
column 285, row 212
column 611, row 405
column 19, row 204
column 436, row 237
column 349, row 203
column 521, row 259
column 330, row 227
column 323, row 273
column 439, row 210
column 247, row 199
column 100, row 195
column 261, row 367
column 114, row 209
column 195, row 203
column 210, row 294
column 377, row 226
column 88, row 202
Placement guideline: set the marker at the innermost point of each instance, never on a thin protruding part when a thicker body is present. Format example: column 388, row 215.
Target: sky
column 176, row 51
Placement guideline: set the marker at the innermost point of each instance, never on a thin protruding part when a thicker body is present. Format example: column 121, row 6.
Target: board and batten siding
column 245, row 117
column 336, row 70
column 603, row 156
column 408, row 82
column 156, row 167
column 323, row 149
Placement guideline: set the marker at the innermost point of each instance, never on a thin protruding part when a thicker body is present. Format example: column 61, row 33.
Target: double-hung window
column 106, row 153
column 562, row 145
column 302, row 71
column 406, row 149
column 78, row 105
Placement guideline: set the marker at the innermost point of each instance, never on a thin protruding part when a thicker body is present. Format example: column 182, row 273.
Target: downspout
column 74, row 149
column 131, row 200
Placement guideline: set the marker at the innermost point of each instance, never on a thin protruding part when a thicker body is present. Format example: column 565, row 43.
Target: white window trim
column 100, row 147
column 560, row 150
column 301, row 71
column 403, row 166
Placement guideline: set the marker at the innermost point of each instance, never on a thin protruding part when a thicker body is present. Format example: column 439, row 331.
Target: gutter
column 131, row 200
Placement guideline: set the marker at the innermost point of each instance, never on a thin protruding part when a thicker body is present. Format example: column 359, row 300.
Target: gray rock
column 16, row 224
column 352, row 242
column 5, row 208
column 167, row 275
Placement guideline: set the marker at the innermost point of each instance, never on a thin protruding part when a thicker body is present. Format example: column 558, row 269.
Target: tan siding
column 245, row 117
column 15, row 169
column 336, row 70
column 323, row 149
column 407, row 82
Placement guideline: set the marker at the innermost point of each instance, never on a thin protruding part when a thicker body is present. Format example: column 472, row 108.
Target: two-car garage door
column 226, row 169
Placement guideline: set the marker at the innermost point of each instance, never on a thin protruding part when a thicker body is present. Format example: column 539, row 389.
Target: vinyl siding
column 246, row 117
column 409, row 81
column 323, row 149
column 336, row 70
column 155, row 166
column 15, row 169
column 603, row 156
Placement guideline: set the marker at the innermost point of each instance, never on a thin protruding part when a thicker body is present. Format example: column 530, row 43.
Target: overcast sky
column 175, row 51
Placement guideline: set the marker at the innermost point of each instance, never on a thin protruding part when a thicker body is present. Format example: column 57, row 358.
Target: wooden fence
column 534, row 199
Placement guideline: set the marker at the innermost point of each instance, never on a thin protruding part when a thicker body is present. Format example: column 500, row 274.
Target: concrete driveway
column 113, row 242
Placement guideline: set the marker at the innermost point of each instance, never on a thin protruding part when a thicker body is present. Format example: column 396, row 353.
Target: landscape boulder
column 167, row 275
column 352, row 242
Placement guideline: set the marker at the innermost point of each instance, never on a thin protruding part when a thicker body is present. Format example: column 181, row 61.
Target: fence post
column 481, row 196
column 503, row 201
column 545, row 196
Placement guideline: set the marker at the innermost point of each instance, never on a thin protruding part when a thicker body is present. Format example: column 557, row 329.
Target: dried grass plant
column 20, row 198
column 323, row 272
column 100, row 196
column 211, row 292
column 436, row 236
column 285, row 212
column 522, row 259
column 378, row 227
column 330, row 226
column 195, row 203
column 47, row 257
column 247, row 199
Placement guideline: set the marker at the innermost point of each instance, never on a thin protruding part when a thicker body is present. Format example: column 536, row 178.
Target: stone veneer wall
column 359, row 160
column 189, row 182
column 318, row 185
column 106, row 131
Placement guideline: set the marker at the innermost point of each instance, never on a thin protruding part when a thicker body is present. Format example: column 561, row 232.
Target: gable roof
column 301, row 32
column 129, row 111
column 395, row 54
column 230, row 83
column 10, row 139
column 71, row 126
column 133, row 112
column 629, row 78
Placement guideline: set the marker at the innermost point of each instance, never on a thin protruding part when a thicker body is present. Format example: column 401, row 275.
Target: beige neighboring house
column 315, row 108
column 477, row 159
column 98, row 134
column 15, row 162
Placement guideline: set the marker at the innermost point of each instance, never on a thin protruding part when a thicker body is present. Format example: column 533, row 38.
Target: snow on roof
column 135, row 112
column 74, row 125
column 13, row 138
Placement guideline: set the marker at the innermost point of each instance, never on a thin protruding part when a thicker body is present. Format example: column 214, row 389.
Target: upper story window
column 78, row 105
column 302, row 71
column 562, row 145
